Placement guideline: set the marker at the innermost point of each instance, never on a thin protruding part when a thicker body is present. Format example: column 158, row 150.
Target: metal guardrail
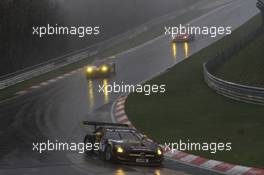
column 34, row 71
column 249, row 94
column 56, row 63
column 59, row 62
column 234, row 91
column 260, row 6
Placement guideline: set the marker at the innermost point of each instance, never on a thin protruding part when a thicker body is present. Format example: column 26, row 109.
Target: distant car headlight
column 89, row 70
column 104, row 68
column 119, row 149
column 159, row 152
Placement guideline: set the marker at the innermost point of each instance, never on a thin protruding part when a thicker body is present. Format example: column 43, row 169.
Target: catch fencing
column 260, row 6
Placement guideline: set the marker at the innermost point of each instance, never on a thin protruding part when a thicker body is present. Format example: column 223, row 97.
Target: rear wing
column 104, row 61
column 96, row 124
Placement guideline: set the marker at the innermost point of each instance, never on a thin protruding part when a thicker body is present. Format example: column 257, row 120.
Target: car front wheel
column 88, row 139
column 108, row 153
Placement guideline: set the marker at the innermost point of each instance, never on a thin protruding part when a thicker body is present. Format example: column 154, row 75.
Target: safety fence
column 260, row 5
column 232, row 90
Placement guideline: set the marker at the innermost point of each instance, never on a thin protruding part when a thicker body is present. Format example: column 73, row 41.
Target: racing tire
column 108, row 153
column 88, row 139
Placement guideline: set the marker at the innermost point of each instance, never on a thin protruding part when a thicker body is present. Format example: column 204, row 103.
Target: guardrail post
column 260, row 6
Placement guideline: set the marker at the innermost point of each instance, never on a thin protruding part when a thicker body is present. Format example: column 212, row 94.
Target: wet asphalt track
column 56, row 111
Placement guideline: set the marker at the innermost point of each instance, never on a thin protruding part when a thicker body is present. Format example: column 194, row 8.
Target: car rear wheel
column 108, row 153
column 88, row 139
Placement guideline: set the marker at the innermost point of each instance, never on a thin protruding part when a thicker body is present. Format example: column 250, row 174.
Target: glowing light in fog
column 157, row 172
column 106, row 95
column 186, row 49
column 120, row 172
column 90, row 94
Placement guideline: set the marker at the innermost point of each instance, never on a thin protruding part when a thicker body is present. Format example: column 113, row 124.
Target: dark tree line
column 18, row 47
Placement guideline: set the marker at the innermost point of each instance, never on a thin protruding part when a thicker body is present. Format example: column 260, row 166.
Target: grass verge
column 189, row 110
column 247, row 66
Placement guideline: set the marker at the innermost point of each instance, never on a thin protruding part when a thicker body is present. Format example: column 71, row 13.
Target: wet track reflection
column 93, row 88
column 180, row 47
column 90, row 94
column 106, row 93
column 186, row 49
column 174, row 50
column 56, row 111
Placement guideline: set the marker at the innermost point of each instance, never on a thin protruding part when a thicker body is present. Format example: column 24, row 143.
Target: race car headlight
column 159, row 152
column 104, row 68
column 119, row 149
column 89, row 69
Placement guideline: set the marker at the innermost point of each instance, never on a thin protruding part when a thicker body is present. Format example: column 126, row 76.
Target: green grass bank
column 247, row 66
column 189, row 110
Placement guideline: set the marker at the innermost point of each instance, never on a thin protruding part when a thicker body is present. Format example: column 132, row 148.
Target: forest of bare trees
column 18, row 47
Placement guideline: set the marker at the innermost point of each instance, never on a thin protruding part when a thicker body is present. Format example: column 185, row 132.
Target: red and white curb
column 53, row 80
column 46, row 83
column 120, row 116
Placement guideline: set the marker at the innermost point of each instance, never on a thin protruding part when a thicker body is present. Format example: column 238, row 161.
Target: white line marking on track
column 118, row 108
column 188, row 158
column 52, row 80
column 210, row 164
column 35, row 87
column 236, row 170
column 122, row 112
column 120, row 103
column 21, row 92
column 44, row 83
column 121, row 118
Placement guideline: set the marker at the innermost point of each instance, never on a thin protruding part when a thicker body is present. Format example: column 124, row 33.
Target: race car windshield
column 129, row 136
column 112, row 135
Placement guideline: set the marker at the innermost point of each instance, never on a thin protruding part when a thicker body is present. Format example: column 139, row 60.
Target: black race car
column 121, row 143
